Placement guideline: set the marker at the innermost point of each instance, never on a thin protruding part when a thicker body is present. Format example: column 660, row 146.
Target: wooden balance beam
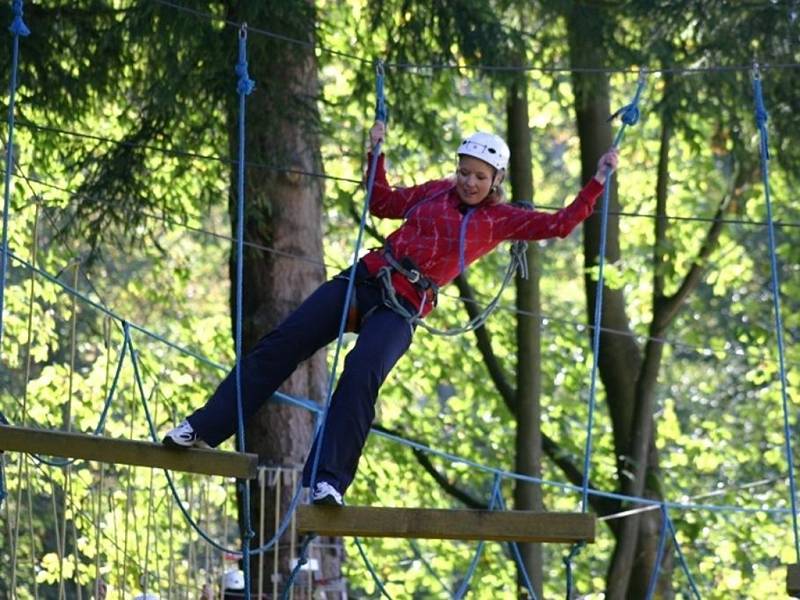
column 127, row 452
column 793, row 581
column 443, row 524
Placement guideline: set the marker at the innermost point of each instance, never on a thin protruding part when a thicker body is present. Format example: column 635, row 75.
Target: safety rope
column 301, row 562
column 425, row 69
column 464, row 587
column 308, row 405
column 103, row 413
column 428, row 567
column 662, row 540
column 171, row 484
column 629, row 115
column 244, row 87
column 526, row 578
column 22, row 475
column 18, row 29
column 381, row 114
column 3, row 492
column 682, row 559
column 761, row 123
column 518, row 263
column 380, row 105
column 705, row 351
column 373, row 573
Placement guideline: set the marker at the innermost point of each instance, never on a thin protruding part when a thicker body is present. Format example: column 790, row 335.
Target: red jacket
column 437, row 224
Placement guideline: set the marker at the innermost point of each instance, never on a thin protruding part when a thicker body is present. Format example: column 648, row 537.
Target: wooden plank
column 117, row 451
column 793, row 580
column 443, row 524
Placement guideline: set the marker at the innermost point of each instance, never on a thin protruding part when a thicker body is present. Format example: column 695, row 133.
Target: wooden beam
column 442, row 524
column 793, row 581
column 127, row 452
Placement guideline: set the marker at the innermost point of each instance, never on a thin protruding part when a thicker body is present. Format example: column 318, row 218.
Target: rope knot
column 245, row 85
column 761, row 114
column 520, row 258
column 629, row 114
column 18, row 26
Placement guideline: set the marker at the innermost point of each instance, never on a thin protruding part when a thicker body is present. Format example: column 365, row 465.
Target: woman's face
column 473, row 179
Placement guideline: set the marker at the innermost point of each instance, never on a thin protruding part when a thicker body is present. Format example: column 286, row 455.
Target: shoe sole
column 171, row 443
column 326, row 501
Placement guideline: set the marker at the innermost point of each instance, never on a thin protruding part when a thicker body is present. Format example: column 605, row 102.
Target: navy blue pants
column 383, row 338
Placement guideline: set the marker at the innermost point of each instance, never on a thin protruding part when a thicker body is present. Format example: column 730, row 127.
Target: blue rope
column 682, row 559
column 3, row 492
column 302, row 560
column 244, row 87
column 761, row 122
column 462, row 589
column 284, row 525
column 320, row 433
column 381, row 111
column 518, row 558
column 662, row 539
column 373, row 573
column 308, row 405
column 462, row 239
column 18, row 28
column 428, row 567
column 630, row 116
column 103, row 414
column 573, row 552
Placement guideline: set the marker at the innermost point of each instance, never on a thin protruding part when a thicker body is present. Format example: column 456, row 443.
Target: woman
column 449, row 223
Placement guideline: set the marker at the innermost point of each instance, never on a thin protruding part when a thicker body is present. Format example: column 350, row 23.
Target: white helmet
column 233, row 580
column 487, row 147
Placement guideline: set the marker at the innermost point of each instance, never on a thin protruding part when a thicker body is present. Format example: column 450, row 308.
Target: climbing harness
column 518, row 263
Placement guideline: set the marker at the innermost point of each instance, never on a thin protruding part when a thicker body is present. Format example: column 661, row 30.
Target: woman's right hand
column 607, row 164
column 377, row 133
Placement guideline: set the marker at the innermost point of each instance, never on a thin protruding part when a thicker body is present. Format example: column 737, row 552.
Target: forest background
column 124, row 189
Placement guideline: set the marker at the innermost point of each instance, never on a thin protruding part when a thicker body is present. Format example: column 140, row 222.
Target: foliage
column 150, row 76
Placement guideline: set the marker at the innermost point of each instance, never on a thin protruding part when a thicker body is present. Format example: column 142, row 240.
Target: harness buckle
column 413, row 275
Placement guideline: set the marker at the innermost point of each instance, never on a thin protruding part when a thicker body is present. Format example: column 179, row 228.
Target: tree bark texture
column 629, row 391
column 283, row 211
column 528, row 456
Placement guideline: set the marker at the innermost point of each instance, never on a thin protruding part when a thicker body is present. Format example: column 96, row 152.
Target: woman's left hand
column 607, row 164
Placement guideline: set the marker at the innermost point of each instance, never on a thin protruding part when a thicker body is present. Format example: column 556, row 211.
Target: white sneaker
column 183, row 436
column 325, row 493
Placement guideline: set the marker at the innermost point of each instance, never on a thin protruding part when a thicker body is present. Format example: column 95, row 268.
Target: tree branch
column 422, row 458
column 484, row 342
column 667, row 307
column 602, row 506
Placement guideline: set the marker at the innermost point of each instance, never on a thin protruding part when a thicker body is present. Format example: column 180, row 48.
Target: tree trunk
column 283, row 212
column 528, row 389
column 629, row 394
